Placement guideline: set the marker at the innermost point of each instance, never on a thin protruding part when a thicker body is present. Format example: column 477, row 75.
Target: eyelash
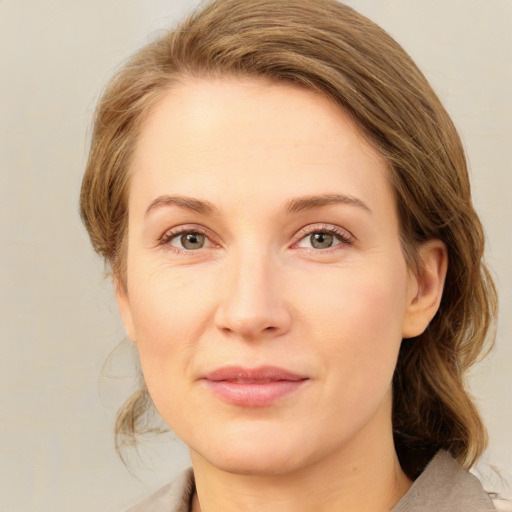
column 342, row 235
column 170, row 235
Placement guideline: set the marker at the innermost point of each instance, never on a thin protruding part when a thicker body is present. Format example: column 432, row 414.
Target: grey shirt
column 442, row 487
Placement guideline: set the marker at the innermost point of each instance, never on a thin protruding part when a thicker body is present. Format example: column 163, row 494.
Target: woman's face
column 266, row 287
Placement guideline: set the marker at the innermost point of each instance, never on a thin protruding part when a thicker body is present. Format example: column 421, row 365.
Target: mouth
column 258, row 387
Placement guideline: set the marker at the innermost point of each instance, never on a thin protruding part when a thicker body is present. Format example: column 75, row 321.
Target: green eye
column 323, row 237
column 321, row 240
column 191, row 241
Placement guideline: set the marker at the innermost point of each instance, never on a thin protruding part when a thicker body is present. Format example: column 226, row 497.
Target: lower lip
column 253, row 394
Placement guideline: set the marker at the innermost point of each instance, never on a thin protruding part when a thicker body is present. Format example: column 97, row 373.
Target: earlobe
column 426, row 288
column 123, row 303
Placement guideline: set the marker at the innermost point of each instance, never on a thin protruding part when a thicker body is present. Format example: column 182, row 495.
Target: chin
column 257, row 453
column 255, row 463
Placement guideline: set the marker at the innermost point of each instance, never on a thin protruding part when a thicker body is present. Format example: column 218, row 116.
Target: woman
column 286, row 209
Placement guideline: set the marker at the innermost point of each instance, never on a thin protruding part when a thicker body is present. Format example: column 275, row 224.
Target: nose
column 253, row 305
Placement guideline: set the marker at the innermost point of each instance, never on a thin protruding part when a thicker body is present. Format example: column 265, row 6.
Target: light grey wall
column 59, row 321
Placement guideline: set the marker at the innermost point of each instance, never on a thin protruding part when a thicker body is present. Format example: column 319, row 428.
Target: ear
column 425, row 288
column 123, row 303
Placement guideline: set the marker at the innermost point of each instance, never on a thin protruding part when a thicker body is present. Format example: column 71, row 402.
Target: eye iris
column 322, row 240
column 192, row 240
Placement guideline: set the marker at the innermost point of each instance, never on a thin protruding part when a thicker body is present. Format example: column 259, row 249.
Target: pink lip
column 256, row 387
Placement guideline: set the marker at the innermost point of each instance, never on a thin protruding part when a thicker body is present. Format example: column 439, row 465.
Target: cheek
column 356, row 317
column 173, row 313
column 169, row 314
column 169, row 301
column 356, row 299
column 164, row 350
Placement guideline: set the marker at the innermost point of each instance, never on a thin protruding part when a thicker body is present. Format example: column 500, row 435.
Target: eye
column 185, row 240
column 189, row 241
column 322, row 238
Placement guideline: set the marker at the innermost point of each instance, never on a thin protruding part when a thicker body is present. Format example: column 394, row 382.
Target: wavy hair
column 327, row 47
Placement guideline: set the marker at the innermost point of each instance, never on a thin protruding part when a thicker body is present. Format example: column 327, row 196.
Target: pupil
column 321, row 240
column 192, row 240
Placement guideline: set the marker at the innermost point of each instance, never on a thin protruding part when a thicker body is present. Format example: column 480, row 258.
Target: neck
column 363, row 478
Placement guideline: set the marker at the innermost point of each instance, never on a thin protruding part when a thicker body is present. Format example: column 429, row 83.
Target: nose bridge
column 253, row 303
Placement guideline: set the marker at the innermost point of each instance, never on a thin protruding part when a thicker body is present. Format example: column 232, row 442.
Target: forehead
column 242, row 137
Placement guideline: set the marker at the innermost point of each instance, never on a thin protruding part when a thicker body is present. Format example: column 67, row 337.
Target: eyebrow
column 187, row 203
column 295, row 205
column 310, row 202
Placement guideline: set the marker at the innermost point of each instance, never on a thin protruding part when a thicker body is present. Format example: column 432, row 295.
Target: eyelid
column 346, row 238
column 343, row 234
column 176, row 231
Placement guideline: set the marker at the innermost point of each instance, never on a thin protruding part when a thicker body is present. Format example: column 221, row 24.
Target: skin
column 258, row 292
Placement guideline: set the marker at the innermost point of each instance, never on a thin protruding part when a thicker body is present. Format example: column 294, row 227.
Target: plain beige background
column 59, row 322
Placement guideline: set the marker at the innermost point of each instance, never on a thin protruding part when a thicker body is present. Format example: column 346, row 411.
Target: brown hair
column 326, row 46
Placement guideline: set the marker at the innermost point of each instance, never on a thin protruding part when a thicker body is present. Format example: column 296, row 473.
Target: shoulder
column 174, row 497
column 502, row 502
column 445, row 487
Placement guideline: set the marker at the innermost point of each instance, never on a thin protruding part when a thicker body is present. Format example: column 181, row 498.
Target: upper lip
column 261, row 374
